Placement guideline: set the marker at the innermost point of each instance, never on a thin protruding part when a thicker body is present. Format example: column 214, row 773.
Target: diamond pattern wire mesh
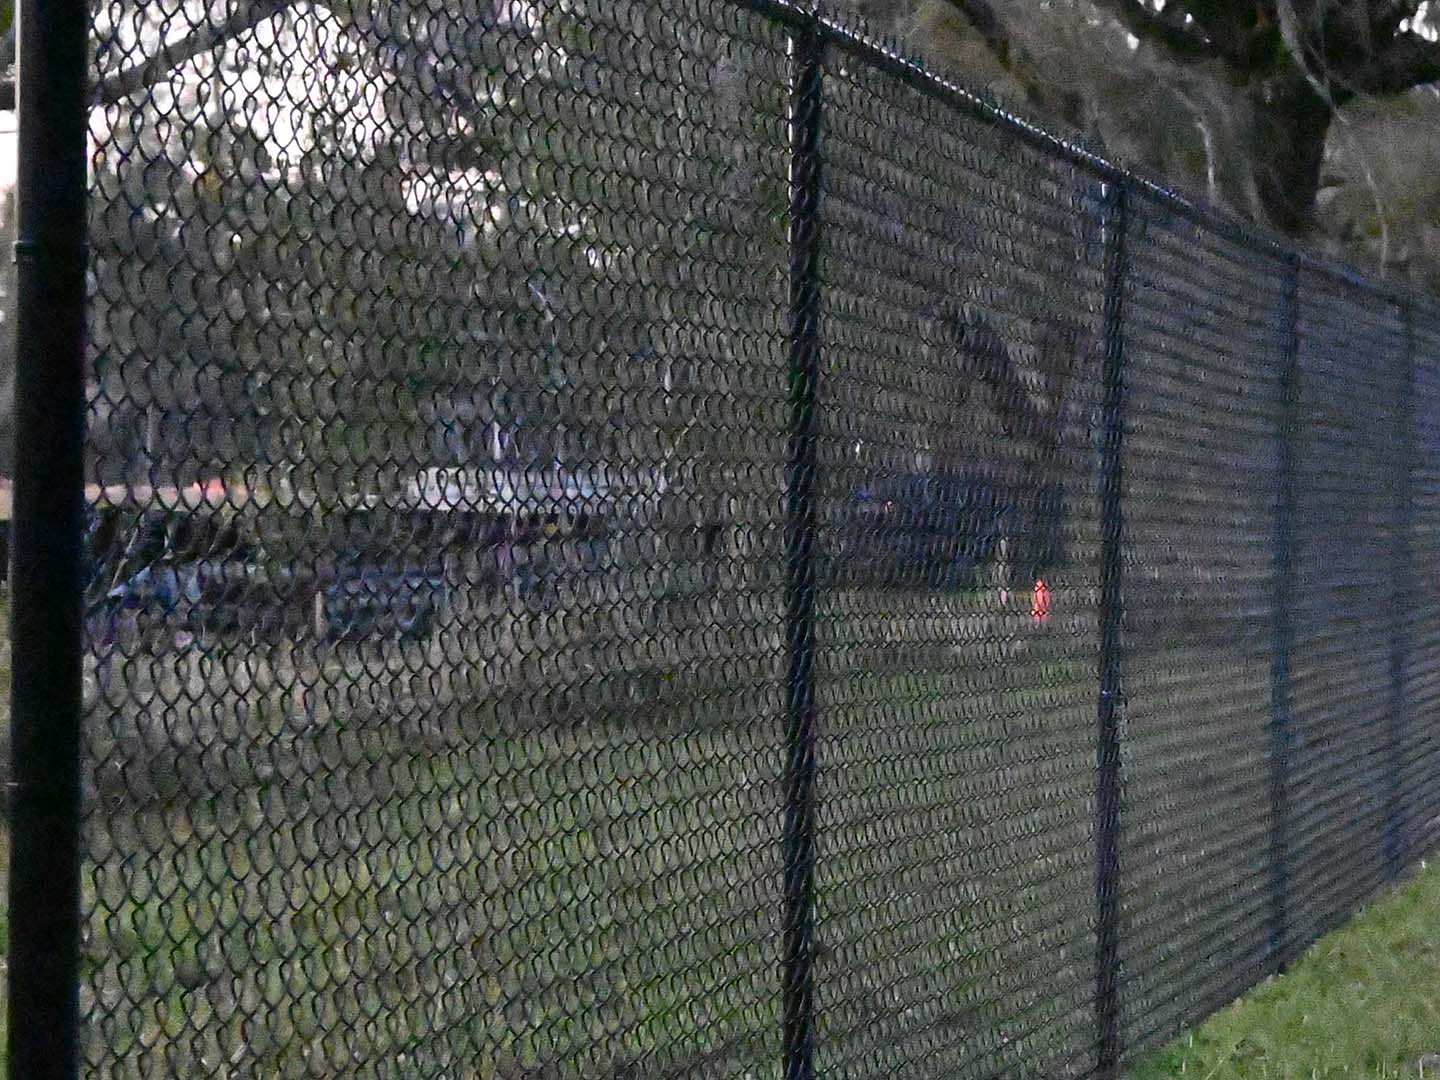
column 1419, row 798
column 1352, row 352
column 438, row 737
column 1206, row 329
column 956, row 744
column 586, row 581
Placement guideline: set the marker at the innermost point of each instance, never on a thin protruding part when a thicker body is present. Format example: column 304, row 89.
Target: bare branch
column 1409, row 60
column 7, row 64
column 991, row 29
column 131, row 80
column 1181, row 40
column 116, row 87
column 988, row 357
column 1385, row 16
column 1017, row 61
column 1291, row 33
column 1207, row 139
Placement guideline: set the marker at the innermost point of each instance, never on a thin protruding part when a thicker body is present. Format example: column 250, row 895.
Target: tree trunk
column 1288, row 128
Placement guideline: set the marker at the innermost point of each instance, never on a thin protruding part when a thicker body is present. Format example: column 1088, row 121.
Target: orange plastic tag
column 1041, row 608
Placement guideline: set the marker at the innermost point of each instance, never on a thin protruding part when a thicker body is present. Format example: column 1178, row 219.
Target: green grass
column 447, row 860
column 1364, row 1001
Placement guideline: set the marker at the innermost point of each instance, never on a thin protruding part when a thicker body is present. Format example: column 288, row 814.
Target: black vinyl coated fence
column 630, row 539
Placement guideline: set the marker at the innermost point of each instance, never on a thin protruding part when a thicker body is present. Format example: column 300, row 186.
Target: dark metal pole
column 1403, row 448
column 1112, row 538
column 45, row 622
column 806, row 81
column 1282, row 645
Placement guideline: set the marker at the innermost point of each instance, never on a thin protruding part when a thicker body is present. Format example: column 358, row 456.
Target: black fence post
column 1403, row 443
column 1112, row 537
column 1282, row 645
column 45, row 605
column 806, row 82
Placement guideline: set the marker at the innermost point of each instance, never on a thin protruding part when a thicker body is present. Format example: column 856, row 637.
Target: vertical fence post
column 1112, row 537
column 45, row 620
column 1403, row 443
column 1282, row 645
column 806, row 79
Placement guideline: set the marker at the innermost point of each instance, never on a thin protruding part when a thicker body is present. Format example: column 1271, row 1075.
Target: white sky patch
column 294, row 80
column 1426, row 22
column 8, row 146
column 278, row 79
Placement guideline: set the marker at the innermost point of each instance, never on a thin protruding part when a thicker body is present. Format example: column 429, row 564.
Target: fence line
column 1403, row 440
column 1283, row 645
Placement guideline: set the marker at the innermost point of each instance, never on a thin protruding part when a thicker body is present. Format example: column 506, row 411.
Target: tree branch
column 119, row 85
column 1409, row 60
column 986, row 356
column 1147, row 24
column 1385, row 16
column 1018, row 62
column 992, row 31
column 115, row 88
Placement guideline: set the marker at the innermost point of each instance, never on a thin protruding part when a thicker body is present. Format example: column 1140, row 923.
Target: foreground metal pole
column 798, row 998
column 45, row 619
column 1107, row 749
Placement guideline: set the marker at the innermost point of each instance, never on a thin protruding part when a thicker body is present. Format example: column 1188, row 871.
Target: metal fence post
column 45, row 620
column 1112, row 534
column 806, row 82
column 1283, row 629
column 1396, row 825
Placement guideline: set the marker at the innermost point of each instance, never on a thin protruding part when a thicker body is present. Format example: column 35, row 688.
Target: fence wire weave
column 633, row 539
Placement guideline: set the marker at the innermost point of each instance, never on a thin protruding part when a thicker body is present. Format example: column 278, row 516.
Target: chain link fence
column 632, row 539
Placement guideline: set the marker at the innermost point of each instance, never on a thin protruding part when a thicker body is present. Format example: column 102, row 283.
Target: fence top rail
column 846, row 31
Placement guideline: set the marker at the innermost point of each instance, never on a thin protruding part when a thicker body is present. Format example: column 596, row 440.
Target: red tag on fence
column 1040, row 610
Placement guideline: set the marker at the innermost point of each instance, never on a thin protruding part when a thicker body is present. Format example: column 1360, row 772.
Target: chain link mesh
column 438, row 434
column 956, row 746
column 1341, row 765
column 1418, row 605
column 1205, row 341
column 478, row 577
